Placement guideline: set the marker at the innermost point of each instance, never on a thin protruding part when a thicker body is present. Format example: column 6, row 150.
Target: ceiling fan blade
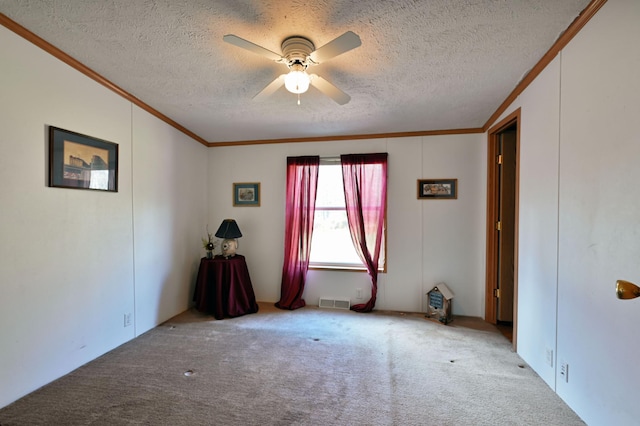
column 329, row 89
column 271, row 88
column 251, row 47
column 338, row 46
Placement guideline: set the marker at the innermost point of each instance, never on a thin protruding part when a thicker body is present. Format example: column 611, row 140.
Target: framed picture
column 82, row 162
column 246, row 194
column 438, row 188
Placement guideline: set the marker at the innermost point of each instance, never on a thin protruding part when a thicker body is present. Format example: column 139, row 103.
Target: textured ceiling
column 423, row 64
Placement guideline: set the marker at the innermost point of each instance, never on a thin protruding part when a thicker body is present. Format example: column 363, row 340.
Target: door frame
column 492, row 218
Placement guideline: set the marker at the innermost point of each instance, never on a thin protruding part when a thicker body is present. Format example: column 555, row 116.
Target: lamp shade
column 228, row 229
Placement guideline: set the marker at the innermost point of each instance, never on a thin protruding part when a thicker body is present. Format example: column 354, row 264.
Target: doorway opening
column 503, row 151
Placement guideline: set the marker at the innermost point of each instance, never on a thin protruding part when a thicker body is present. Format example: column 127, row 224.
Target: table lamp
column 229, row 231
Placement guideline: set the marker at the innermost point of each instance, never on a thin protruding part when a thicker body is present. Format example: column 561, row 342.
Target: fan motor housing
column 297, row 49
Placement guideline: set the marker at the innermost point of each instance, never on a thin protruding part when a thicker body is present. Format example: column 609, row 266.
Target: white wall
column 428, row 240
column 579, row 210
column 170, row 213
column 453, row 231
column 538, row 220
column 600, row 216
column 67, row 256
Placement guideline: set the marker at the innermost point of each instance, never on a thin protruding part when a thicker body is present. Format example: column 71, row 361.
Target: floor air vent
column 334, row 303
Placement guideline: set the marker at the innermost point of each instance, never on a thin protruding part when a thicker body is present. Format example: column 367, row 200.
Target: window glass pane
column 331, row 241
column 330, row 190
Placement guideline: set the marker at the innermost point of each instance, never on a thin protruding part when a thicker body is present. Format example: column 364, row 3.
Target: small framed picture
column 438, row 188
column 246, row 194
column 82, row 162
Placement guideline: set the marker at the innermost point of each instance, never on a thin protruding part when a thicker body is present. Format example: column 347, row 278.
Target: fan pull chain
column 298, row 98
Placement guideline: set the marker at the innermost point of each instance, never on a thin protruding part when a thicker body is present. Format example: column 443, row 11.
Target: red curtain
column 365, row 191
column 302, row 184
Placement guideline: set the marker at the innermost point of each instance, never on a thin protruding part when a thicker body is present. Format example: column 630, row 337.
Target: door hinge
column 498, row 226
column 496, row 293
column 499, row 159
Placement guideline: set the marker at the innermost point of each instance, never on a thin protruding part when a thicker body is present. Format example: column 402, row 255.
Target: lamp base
column 229, row 247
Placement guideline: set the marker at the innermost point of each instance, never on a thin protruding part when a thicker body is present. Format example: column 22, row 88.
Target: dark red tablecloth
column 223, row 287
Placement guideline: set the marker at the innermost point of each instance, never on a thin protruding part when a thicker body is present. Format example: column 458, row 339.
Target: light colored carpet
column 311, row 366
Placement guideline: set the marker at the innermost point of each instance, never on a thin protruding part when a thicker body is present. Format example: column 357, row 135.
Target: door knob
column 627, row 290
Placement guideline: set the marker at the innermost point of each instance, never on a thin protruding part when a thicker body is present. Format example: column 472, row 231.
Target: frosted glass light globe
column 297, row 82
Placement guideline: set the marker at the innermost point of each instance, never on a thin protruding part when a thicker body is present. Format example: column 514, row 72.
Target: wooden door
column 501, row 296
column 506, row 141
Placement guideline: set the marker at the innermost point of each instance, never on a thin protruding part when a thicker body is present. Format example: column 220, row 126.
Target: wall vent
column 325, row 302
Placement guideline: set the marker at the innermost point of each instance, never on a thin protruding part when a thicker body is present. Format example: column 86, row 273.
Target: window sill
column 346, row 268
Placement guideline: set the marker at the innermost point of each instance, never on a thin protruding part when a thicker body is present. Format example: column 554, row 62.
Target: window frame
column 350, row 267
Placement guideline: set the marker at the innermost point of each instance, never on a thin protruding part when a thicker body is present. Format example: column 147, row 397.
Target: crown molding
column 351, row 137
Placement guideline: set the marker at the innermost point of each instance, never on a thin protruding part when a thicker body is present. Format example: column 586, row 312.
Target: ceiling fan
column 298, row 53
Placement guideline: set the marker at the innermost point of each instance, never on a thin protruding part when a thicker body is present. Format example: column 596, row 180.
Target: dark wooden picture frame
column 246, row 194
column 79, row 161
column 438, row 189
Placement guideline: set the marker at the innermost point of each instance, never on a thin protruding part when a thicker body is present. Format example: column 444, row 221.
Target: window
column 331, row 244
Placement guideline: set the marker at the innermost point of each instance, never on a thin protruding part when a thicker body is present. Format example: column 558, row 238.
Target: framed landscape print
column 82, row 162
column 438, row 188
column 246, row 194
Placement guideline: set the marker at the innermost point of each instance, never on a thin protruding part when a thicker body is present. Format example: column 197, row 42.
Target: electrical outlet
column 358, row 293
column 564, row 371
column 550, row 357
column 127, row 319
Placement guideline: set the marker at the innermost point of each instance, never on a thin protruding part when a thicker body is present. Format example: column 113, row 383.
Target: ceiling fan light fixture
column 298, row 53
column 297, row 81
